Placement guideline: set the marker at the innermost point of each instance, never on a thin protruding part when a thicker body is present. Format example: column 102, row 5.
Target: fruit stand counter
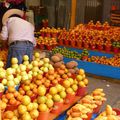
column 95, row 68
column 98, row 69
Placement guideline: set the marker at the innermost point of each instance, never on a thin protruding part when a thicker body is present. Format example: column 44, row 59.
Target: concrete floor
column 111, row 89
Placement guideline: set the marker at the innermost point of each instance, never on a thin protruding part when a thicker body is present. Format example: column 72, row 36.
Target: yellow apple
column 14, row 60
column 53, row 90
column 26, row 100
column 43, row 108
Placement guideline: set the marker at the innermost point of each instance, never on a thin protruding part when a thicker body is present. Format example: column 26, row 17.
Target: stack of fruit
column 95, row 100
column 71, row 53
column 82, row 83
column 108, row 114
column 113, row 61
column 92, row 36
column 86, row 106
column 72, row 67
column 43, row 88
column 116, row 46
column 46, row 43
column 50, row 32
column 57, row 60
column 79, row 112
column 11, row 98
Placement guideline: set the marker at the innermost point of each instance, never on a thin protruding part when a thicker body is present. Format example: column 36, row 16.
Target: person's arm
column 4, row 33
column 4, row 36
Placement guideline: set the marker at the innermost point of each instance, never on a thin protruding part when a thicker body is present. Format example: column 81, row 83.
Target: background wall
column 32, row 2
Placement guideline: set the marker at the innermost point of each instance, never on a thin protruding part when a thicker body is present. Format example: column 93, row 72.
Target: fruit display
column 50, row 32
column 113, row 61
column 46, row 42
column 91, row 36
column 66, row 52
column 108, row 114
column 85, row 56
column 57, row 62
column 86, row 106
column 32, row 88
column 79, row 112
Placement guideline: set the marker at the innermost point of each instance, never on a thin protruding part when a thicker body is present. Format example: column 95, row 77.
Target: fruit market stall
column 94, row 62
column 41, row 89
column 92, row 36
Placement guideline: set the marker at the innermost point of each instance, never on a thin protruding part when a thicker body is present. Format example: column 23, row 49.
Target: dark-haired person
column 20, row 35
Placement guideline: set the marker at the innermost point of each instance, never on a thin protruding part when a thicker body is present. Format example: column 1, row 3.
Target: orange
column 9, row 95
column 11, row 89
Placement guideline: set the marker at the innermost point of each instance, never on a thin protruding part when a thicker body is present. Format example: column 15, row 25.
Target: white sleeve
column 4, row 33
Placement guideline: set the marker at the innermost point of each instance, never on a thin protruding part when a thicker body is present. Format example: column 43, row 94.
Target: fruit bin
column 69, row 99
column 43, row 116
column 82, row 91
column 53, row 116
column 57, row 108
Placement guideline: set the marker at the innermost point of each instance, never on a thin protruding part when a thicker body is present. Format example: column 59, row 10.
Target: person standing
column 20, row 35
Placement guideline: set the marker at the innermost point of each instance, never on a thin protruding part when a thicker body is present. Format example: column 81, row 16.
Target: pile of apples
column 11, row 98
column 108, row 114
column 25, row 111
column 41, row 86
column 81, row 78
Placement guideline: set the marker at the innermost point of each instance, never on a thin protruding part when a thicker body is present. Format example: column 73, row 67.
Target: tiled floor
column 112, row 90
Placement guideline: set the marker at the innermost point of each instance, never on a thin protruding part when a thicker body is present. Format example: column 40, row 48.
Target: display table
column 95, row 68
